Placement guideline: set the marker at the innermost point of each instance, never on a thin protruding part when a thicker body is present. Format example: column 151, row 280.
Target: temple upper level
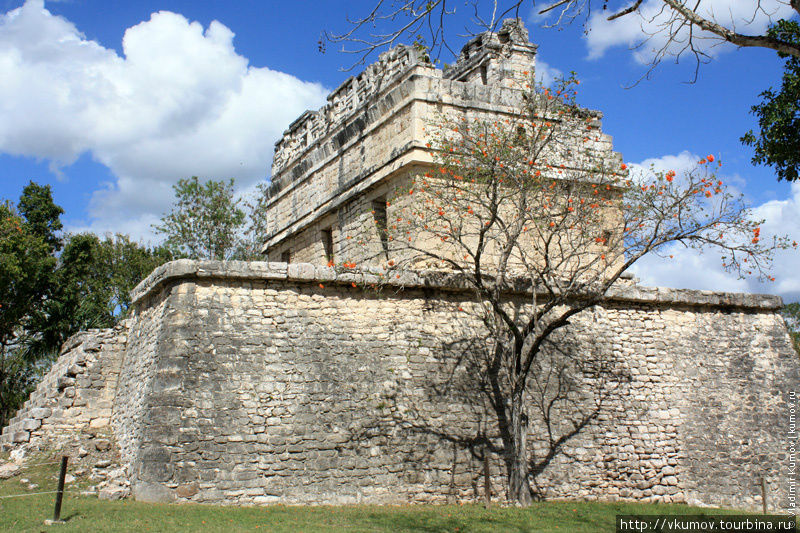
column 505, row 57
column 332, row 165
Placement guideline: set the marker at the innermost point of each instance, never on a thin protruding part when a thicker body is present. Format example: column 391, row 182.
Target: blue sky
column 112, row 102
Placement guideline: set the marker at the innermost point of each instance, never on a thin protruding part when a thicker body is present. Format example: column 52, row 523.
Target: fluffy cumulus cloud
column 693, row 269
column 179, row 102
column 545, row 74
column 646, row 33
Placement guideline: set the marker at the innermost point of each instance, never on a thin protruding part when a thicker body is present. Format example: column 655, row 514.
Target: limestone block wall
column 131, row 408
column 267, row 382
column 376, row 128
column 77, row 393
column 504, row 58
column 389, row 145
column 310, row 127
column 361, row 150
column 355, row 237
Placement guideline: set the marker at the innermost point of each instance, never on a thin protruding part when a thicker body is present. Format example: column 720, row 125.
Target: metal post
column 487, row 486
column 764, row 494
column 60, row 493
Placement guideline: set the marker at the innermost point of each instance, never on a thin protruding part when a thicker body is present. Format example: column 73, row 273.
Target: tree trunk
column 519, row 489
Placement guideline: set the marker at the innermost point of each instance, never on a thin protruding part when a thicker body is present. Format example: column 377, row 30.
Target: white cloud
column 646, row 32
column 682, row 161
column 692, row 269
column 782, row 217
column 179, row 102
column 682, row 164
column 545, row 74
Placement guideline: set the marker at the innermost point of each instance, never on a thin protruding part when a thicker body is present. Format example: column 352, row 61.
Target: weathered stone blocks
column 252, row 389
column 251, row 383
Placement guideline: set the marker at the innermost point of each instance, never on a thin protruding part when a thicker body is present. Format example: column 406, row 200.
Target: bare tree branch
column 763, row 41
column 624, row 12
column 680, row 24
column 523, row 196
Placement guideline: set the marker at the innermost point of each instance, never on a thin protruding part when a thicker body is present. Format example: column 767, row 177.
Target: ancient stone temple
column 286, row 381
column 334, row 166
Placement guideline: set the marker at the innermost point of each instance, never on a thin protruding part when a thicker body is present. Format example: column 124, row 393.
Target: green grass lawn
column 84, row 513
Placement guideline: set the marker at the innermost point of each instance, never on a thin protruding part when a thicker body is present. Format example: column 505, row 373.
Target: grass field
column 85, row 513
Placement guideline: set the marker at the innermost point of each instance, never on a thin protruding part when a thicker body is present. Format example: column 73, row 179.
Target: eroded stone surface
column 265, row 382
column 373, row 136
column 8, row 470
column 258, row 383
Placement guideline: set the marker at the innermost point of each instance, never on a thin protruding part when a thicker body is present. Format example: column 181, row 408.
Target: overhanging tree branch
column 731, row 36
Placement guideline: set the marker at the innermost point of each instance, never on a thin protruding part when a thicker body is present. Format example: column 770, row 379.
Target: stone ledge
column 429, row 279
column 412, row 87
column 375, row 78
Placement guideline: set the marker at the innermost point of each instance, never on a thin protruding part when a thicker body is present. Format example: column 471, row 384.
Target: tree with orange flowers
column 669, row 29
column 531, row 199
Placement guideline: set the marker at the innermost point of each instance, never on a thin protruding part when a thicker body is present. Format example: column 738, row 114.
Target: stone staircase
column 77, row 393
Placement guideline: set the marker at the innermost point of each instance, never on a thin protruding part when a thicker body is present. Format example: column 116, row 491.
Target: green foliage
column 791, row 314
column 27, row 266
column 778, row 142
column 205, row 220
column 77, row 302
column 93, row 282
column 41, row 213
column 46, row 296
column 256, row 227
column 129, row 263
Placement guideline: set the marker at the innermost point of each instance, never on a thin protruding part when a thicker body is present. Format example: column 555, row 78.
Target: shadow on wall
column 452, row 426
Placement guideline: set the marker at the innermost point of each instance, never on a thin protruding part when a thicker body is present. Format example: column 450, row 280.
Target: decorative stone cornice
column 444, row 281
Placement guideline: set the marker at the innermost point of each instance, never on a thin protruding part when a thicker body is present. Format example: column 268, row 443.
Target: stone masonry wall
column 390, row 144
column 131, row 409
column 377, row 126
column 356, row 91
column 275, row 383
column 77, row 393
column 266, row 382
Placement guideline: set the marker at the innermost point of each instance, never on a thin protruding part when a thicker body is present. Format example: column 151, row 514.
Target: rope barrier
column 31, row 494
column 40, row 464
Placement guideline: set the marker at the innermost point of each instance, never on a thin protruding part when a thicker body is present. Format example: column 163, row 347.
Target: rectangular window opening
column 327, row 243
column 286, row 257
column 381, row 223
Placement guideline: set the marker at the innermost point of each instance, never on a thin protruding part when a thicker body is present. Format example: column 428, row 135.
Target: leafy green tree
column 791, row 314
column 256, row 226
column 129, row 262
column 205, row 221
column 28, row 240
column 52, row 287
column 778, row 142
column 93, row 282
column 208, row 221
column 79, row 296
column 41, row 214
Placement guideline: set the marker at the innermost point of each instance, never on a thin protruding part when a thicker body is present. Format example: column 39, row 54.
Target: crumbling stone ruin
column 335, row 167
column 286, row 381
